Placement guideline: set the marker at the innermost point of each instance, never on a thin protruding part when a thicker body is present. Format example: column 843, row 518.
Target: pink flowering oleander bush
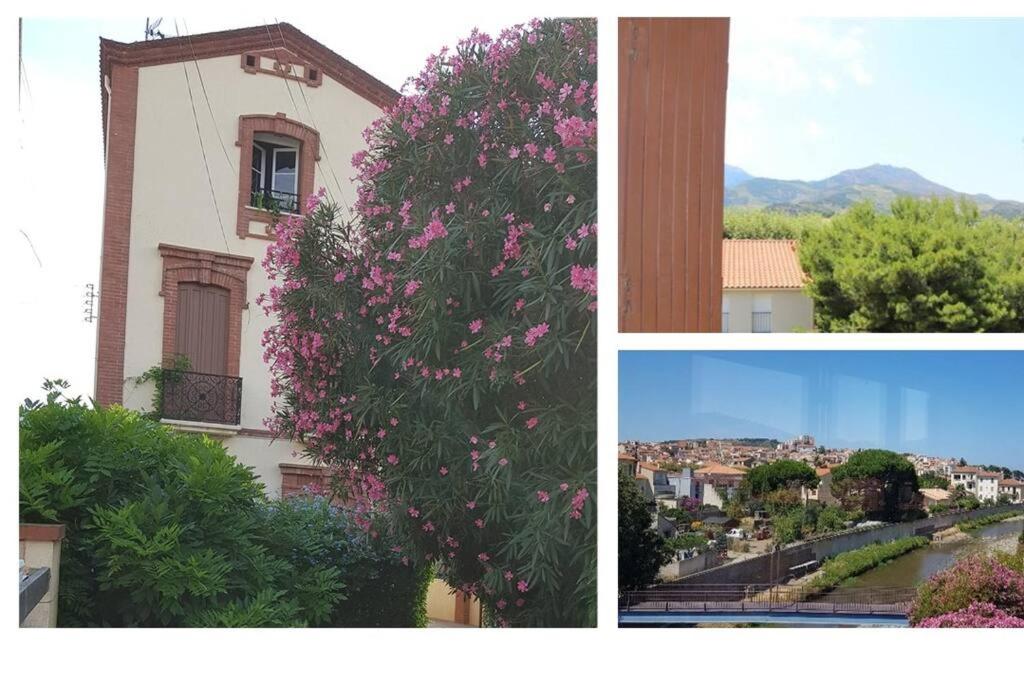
column 975, row 579
column 976, row 615
column 439, row 350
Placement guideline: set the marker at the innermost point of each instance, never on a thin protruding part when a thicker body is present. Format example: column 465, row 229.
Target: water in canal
column 916, row 566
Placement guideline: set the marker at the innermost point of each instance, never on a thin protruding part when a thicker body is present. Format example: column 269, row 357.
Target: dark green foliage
column 379, row 590
column 929, row 266
column 882, row 484
column 930, row 480
column 831, row 518
column 781, row 474
column 166, row 529
column 747, row 224
column 641, row 550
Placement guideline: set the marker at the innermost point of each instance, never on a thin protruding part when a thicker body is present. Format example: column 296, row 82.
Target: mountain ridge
column 878, row 183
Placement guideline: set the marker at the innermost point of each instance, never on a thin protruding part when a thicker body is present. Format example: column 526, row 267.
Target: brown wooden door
column 672, row 89
column 202, row 327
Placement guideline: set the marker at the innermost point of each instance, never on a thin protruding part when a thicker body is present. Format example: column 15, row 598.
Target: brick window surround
column 228, row 271
column 309, row 154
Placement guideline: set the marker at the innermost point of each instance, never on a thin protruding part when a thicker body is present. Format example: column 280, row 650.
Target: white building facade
column 206, row 138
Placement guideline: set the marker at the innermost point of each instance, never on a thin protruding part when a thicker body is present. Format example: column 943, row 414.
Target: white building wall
column 791, row 309
column 172, row 204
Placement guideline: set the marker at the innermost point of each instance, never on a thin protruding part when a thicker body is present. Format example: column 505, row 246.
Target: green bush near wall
column 167, row 529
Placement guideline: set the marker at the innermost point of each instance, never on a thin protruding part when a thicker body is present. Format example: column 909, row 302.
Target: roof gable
column 272, row 37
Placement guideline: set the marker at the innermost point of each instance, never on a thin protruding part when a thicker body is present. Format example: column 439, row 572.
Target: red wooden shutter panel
column 202, row 327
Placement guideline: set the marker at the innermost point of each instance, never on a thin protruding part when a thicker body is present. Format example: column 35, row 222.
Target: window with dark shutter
column 202, row 327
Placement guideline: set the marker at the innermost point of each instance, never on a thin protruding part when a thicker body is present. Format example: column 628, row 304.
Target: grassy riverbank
column 849, row 564
column 972, row 524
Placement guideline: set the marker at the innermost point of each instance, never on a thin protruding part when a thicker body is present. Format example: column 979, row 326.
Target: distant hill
column 734, row 175
column 879, row 184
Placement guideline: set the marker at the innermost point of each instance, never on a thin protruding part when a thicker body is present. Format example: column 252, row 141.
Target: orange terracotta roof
column 1011, row 482
column 985, row 474
column 822, row 471
column 761, row 264
column 721, row 469
column 626, row 456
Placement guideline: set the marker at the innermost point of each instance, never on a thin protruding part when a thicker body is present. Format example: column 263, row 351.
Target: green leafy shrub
column 380, row 589
column 831, row 518
column 167, row 529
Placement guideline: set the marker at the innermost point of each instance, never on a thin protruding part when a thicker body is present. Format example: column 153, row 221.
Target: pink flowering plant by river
column 438, row 351
column 979, row 591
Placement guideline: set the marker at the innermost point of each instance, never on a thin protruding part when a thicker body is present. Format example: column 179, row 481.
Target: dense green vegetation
column 979, row 522
column 928, row 266
column 641, row 550
column 747, row 224
column 930, row 480
column 781, row 474
column 879, row 483
column 167, row 529
column 849, row 564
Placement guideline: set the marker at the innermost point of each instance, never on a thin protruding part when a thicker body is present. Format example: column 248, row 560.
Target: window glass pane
column 284, row 161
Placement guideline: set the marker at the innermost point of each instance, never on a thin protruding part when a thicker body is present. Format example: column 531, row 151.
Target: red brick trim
column 183, row 264
column 295, row 477
column 238, row 42
column 41, row 532
column 309, row 154
column 117, row 215
column 286, row 64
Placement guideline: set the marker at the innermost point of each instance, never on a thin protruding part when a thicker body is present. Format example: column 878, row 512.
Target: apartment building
column 763, row 287
column 1012, row 488
column 207, row 138
column 710, row 480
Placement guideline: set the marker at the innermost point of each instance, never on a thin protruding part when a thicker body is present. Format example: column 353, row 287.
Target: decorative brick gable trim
column 309, row 154
column 286, row 64
column 238, row 42
column 182, row 264
column 117, row 217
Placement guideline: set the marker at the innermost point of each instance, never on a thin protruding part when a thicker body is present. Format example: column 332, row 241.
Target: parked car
column 737, row 534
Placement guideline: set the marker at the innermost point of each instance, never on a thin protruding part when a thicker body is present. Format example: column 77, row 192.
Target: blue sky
column 939, row 403
column 811, row 97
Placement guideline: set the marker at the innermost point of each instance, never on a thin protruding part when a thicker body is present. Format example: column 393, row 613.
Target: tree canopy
column 781, row 474
column 929, row 266
column 641, row 550
column 881, row 483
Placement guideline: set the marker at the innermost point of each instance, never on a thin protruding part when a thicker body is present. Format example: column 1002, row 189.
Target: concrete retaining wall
column 674, row 570
column 776, row 566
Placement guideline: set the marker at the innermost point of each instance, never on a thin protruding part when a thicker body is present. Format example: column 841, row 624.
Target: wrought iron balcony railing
column 274, row 200
column 201, row 397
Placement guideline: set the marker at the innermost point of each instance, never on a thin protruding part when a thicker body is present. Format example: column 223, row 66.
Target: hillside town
column 701, row 503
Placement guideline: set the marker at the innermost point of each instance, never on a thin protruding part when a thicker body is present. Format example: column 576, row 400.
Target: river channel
column 916, row 566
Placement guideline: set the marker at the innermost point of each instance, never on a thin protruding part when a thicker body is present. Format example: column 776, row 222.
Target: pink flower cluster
column 976, row 615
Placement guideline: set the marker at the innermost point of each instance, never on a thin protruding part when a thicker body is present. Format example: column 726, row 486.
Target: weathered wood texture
column 672, row 89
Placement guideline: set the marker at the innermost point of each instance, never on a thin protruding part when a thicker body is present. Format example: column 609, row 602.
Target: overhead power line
column 202, row 148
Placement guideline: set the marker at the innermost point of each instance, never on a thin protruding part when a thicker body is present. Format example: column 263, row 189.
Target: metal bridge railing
column 769, row 598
